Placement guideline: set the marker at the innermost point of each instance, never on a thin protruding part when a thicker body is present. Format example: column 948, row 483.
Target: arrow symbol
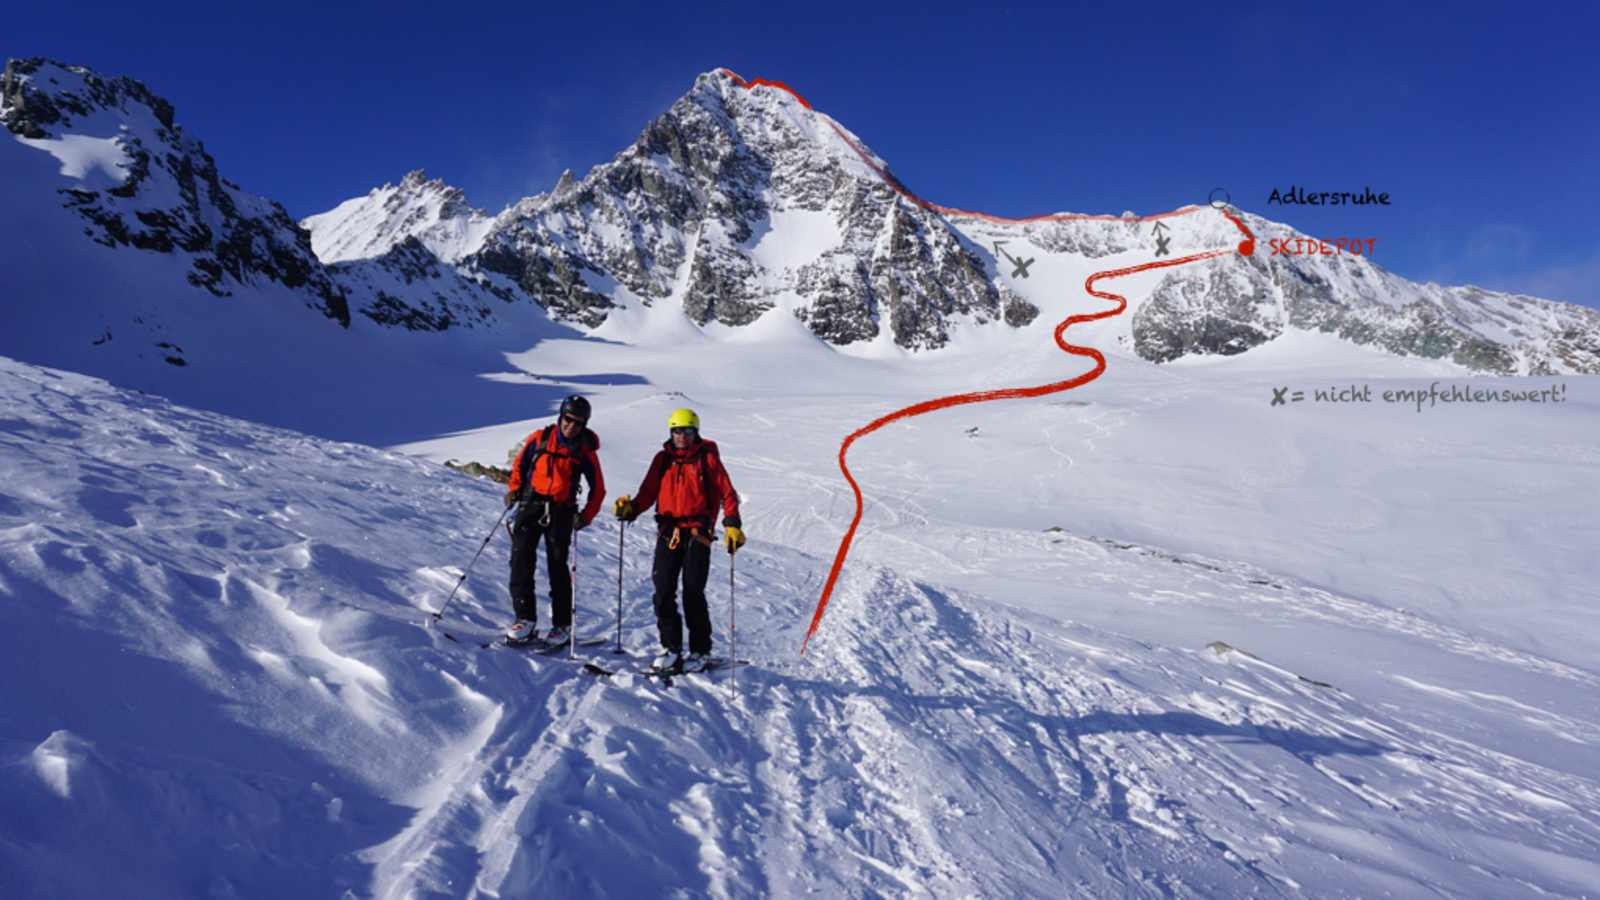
column 1160, row 226
column 1021, row 266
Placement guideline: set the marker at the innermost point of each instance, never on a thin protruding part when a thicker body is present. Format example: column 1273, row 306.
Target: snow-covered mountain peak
column 738, row 201
column 769, row 117
column 565, row 183
column 41, row 98
column 452, row 200
column 435, row 213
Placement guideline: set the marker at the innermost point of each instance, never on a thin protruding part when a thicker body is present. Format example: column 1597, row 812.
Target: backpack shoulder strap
column 528, row 459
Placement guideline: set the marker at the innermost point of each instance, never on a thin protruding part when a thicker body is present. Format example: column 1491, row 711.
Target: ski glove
column 511, row 499
column 581, row 523
column 624, row 509
column 734, row 536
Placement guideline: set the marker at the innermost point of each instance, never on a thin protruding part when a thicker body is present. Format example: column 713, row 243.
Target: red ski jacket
column 549, row 466
column 688, row 486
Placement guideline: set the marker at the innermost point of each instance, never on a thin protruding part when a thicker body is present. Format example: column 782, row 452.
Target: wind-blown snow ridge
column 217, row 676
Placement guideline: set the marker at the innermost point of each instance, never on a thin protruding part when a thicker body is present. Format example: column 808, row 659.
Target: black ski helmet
column 577, row 407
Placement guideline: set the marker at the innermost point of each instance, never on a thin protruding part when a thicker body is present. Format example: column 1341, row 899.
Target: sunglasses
column 578, row 422
column 684, row 430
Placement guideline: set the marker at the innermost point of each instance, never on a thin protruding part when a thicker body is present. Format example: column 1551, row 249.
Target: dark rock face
column 554, row 280
column 1578, row 348
column 172, row 198
column 1216, row 313
column 843, row 308
column 1017, row 311
column 925, row 276
column 410, row 288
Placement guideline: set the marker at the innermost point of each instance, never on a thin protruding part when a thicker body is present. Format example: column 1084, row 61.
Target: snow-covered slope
column 217, row 679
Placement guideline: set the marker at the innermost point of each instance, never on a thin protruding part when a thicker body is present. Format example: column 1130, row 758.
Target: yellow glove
column 624, row 509
column 734, row 538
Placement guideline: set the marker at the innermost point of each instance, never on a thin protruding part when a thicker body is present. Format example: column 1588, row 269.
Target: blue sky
column 1481, row 121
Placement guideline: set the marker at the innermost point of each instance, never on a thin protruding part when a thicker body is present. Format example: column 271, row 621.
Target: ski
column 545, row 648
column 497, row 639
column 716, row 664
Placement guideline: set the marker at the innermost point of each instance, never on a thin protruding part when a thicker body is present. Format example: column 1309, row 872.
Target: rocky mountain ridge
column 737, row 200
column 1229, row 306
column 161, row 191
column 734, row 203
column 138, row 181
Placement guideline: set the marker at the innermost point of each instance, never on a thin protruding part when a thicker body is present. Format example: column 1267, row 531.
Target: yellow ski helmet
column 683, row 418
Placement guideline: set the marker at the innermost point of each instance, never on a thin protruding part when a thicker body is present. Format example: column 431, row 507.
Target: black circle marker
column 1227, row 198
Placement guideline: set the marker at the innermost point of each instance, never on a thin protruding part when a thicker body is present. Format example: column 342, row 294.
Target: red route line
column 1244, row 248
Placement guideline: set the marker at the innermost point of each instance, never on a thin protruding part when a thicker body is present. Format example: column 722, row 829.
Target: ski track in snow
column 932, row 742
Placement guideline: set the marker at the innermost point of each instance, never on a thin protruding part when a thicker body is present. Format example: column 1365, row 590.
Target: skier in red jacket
column 687, row 484
column 544, row 479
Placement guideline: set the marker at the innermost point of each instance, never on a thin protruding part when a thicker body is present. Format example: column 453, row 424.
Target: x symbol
column 1161, row 245
column 1277, row 396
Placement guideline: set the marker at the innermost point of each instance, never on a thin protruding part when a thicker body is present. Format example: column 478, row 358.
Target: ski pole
column 622, row 528
column 572, row 569
column 463, row 579
column 733, row 632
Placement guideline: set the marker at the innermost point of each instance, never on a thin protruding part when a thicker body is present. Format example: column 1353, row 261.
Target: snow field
column 246, row 608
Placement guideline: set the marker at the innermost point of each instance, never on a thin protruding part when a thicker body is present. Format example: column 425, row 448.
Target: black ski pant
column 691, row 560
column 553, row 523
